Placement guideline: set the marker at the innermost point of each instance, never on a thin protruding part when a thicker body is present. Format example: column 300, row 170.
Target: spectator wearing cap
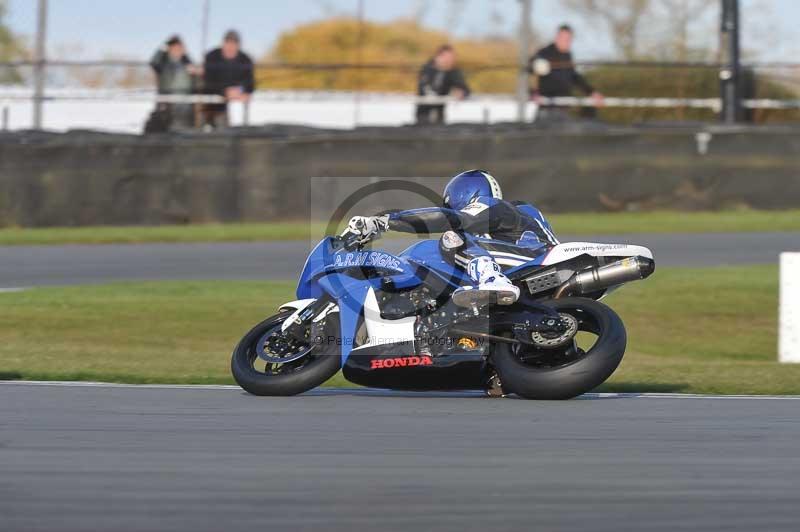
column 176, row 75
column 228, row 73
column 440, row 77
column 553, row 66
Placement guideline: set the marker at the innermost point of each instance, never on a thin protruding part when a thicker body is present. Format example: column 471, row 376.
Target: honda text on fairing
column 391, row 321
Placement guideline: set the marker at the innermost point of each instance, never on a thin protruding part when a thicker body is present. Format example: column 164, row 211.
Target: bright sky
column 93, row 29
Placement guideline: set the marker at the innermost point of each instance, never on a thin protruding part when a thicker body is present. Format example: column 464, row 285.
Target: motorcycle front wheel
column 264, row 363
column 572, row 369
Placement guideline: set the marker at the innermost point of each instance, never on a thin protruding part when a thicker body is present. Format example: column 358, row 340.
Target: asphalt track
column 215, row 459
column 28, row 266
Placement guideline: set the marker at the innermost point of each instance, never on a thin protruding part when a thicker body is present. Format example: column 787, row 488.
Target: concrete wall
column 82, row 178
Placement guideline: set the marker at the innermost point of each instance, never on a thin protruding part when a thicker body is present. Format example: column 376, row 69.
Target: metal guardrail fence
column 414, row 67
column 482, row 108
column 716, row 105
column 277, row 96
column 729, row 66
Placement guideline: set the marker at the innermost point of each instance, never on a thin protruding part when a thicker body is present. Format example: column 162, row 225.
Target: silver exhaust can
column 614, row 274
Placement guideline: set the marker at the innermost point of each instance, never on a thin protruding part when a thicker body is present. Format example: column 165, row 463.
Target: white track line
column 371, row 391
column 87, row 384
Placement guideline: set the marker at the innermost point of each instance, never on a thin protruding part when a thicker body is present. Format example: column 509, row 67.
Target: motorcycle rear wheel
column 567, row 372
column 320, row 364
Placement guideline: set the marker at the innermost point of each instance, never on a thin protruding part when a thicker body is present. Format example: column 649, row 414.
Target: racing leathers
column 507, row 233
column 516, row 223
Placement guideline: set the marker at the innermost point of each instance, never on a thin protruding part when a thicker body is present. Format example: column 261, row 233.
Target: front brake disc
column 277, row 349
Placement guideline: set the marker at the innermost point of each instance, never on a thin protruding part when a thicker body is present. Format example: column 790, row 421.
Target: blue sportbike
column 388, row 321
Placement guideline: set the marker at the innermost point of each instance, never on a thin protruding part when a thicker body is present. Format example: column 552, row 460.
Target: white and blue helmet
column 464, row 188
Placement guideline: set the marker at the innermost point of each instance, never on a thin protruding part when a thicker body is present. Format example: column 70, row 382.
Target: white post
column 789, row 335
column 359, row 60
column 40, row 54
column 523, row 78
column 204, row 29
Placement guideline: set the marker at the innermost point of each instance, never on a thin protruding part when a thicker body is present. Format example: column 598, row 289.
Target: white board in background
column 789, row 321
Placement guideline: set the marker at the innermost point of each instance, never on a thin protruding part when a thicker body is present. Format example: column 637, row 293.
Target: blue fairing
column 427, row 255
column 327, row 271
column 325, row 260
column 330, row 270
column 306, row 287
column 350, row 295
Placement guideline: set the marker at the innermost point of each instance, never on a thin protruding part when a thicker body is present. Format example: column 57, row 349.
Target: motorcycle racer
column 472, row 203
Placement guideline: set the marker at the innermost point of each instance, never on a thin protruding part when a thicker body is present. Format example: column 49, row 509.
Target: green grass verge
column 690, row 330
column 162, row 233
column 594, row 223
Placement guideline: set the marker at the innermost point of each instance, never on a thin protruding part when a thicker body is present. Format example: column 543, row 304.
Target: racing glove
column 368, row 227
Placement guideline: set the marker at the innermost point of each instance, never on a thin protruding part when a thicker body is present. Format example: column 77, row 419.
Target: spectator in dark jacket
column 440, row 77
column 554, row 67
column 176, row 75
column 228, row 73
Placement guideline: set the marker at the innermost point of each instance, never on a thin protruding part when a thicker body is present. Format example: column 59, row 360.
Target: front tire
column 570, row 372
column 322, row 363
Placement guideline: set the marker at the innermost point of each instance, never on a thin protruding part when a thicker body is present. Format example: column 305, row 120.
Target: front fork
column 298, row 325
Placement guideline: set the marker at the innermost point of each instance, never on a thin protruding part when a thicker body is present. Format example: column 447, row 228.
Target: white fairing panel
column 299, row 306
column 296, row 305
column 570, row 250
column 381, row 331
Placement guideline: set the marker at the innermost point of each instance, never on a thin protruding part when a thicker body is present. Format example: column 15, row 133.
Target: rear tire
column 323, row 364
column 575, row 378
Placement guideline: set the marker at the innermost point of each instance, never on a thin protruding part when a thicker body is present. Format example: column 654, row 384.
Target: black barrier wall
column 82, row 178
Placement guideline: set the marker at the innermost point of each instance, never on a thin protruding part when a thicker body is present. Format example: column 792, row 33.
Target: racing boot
column 492, row 286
